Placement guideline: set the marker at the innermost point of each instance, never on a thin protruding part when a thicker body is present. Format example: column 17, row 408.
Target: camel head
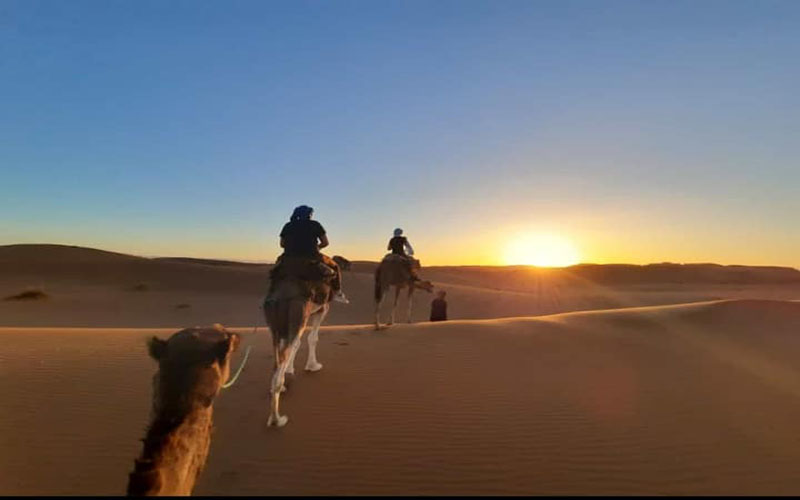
column 343, row 263
column 424, row 285
column 193, row 365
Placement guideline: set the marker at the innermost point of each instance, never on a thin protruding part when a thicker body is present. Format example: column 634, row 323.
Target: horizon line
column 267, row 262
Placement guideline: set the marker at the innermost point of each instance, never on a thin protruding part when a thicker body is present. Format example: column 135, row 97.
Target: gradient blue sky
column 643, row 131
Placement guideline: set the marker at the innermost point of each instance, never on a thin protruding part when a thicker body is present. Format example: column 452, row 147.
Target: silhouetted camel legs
column 410, row 293
column 283, row 349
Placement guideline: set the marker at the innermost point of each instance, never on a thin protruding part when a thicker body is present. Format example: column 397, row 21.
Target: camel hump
column 343, row 263
column 303, row 268
column 300, row 277
column 393, row 258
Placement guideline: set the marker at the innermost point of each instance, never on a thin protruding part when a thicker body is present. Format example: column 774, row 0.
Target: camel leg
column 290, row 366
column 312, row 365
column 410, row 294
column 282, row 354
column 270, row 316
column 394, row 306
column 378, row 305
column 283, row 351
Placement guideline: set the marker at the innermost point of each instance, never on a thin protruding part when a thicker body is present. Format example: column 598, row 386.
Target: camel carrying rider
column 301, row 240
column 399, row 245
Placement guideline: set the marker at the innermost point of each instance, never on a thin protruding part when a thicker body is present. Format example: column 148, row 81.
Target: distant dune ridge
column 665, row 272
column 89, row 287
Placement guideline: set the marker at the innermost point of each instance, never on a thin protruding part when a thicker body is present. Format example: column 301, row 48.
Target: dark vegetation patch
column 31, row 294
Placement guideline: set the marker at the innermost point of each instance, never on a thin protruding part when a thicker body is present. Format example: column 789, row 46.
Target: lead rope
column 239, row 372
column 244, row 361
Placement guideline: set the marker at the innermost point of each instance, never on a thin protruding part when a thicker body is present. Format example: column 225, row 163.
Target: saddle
column 314, row 276
column 406, row 260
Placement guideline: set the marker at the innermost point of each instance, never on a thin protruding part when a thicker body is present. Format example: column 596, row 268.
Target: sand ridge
column 94, row 288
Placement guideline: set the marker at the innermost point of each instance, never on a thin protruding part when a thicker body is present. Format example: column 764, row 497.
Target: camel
column 299, row 298
column 343, row 263
column 193, row 365
column 393, row 271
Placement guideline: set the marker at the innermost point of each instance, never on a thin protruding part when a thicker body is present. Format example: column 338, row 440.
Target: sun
column 541, row 250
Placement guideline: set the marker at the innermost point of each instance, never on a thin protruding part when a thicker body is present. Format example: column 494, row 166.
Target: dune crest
column 94, row 288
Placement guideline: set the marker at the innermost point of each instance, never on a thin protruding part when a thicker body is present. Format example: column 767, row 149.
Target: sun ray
column 541, row 250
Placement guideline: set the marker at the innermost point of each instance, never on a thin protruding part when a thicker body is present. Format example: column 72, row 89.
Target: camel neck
column 175, row 451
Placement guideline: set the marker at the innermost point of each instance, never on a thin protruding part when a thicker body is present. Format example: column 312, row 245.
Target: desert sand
column 635, row 397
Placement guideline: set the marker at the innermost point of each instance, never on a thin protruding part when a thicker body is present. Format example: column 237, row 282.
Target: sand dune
column 93, row 288
column 684, row 399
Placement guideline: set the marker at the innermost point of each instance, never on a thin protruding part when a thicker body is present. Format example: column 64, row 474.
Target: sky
column 637, row 131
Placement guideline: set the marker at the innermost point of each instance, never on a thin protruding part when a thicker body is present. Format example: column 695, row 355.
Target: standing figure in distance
column 439, row 307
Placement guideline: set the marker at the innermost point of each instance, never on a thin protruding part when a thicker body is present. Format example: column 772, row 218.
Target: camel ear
column 236, row 341
column 157, row 348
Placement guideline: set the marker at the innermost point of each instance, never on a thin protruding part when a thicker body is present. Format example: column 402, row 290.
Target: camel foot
column 313, row 367
column 279, row 422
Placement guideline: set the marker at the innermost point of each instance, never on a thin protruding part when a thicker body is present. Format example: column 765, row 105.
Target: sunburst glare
column 541, row 250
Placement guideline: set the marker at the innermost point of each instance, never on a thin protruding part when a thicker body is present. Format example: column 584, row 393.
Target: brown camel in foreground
column 193, row 365
column 298, row 298
column 393, row 271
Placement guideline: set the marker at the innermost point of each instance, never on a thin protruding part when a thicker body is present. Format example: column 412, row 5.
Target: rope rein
column 239, row 372
column 244, row 361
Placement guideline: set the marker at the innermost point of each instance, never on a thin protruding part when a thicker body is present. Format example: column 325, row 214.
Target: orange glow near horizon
column 541, row 250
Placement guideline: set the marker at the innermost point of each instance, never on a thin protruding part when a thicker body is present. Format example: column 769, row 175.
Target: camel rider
column 303, row 237
column 399, row 245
